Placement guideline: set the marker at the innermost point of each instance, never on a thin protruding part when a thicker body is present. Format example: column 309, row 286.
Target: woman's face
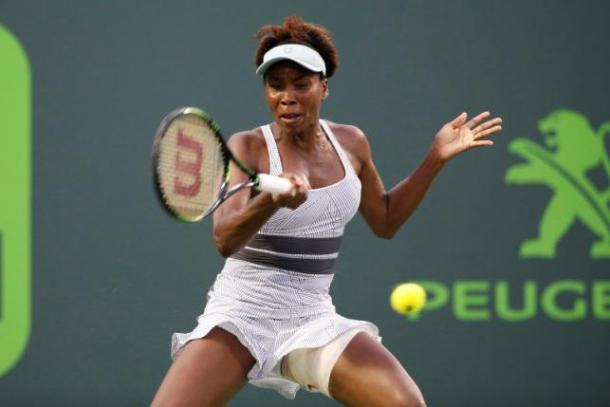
column 294, row 95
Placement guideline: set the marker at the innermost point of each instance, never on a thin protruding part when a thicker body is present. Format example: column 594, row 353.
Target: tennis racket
column 191, row 166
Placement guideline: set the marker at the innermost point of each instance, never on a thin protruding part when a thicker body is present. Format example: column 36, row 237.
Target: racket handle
column 273, row 184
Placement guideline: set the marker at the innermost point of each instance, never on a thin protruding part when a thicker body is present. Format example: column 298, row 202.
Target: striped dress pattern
column 273, row 294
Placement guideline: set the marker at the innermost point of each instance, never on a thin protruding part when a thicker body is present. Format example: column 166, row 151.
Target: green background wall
column 113, row 276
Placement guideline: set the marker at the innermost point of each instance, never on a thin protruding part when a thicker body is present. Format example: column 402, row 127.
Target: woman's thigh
column 367, row 374
column 207, row 372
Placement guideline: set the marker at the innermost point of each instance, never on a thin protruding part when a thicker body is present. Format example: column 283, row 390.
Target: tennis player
column 269, row 318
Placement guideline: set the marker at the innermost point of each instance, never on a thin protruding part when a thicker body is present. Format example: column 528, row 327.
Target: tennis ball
column 408, row 298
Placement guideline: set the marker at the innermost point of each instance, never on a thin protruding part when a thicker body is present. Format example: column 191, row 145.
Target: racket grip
column 273, row 184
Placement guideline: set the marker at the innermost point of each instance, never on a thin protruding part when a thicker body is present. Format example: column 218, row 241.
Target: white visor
column 303, row 55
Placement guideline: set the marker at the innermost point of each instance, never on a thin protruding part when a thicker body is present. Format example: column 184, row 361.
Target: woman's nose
column 287, row 99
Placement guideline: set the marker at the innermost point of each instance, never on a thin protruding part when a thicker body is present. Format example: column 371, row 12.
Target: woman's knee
column 403, row 398
column 393, row 392
column 382, row 397
column 367, row 374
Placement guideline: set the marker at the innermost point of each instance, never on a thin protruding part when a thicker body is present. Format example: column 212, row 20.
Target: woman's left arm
column 386, row 211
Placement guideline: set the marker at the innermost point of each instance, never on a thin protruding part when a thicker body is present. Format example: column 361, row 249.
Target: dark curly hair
column 295, row 30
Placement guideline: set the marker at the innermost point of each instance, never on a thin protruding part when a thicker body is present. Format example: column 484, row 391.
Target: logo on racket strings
column 189, row 157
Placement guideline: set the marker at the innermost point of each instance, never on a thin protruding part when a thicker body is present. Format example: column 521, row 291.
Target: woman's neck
column 309, row 138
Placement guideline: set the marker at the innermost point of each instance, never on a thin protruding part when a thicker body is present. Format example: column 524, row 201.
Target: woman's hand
column 297, row 195
column 458, row 135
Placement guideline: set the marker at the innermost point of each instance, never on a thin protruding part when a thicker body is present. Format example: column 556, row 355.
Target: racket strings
column 190, row 166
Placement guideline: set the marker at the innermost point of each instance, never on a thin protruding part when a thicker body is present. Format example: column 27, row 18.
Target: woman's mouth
column 290, row 117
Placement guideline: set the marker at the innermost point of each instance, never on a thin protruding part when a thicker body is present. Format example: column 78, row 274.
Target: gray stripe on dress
column 295, row 245
column 309, row 266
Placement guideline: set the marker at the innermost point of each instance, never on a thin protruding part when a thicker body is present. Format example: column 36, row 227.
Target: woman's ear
column 325, row 88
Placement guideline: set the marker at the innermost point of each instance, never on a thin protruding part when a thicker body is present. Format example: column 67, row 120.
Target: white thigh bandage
column 311, row 367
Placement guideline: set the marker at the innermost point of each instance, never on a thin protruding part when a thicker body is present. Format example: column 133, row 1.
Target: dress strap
column 342, row 155
column 275, row 163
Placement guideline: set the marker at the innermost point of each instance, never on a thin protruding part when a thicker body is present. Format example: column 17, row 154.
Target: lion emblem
column 572, row 148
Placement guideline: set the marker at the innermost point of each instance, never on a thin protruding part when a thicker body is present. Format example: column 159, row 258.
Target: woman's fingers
column 477, row 119
column 485, row 125
column 459, row 120
column 488, row 130
column 297, row 195
column 482, row 143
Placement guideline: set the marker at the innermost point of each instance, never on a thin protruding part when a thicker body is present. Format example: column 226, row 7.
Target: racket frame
column 224, row 191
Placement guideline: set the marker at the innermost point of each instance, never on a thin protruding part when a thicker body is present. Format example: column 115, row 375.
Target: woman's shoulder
column 348, row 130
column 351, row 137
column 250, row 147
column 251, row 140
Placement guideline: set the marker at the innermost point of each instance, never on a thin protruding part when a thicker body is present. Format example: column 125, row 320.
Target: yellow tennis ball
column 408, row 298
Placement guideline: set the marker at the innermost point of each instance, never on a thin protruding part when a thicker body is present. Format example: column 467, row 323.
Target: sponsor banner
column 15, row 205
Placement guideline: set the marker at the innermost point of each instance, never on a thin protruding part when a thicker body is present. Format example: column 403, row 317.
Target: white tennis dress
column 273, row 294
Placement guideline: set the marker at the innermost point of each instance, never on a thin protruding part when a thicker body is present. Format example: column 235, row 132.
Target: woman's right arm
column 240, row 217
